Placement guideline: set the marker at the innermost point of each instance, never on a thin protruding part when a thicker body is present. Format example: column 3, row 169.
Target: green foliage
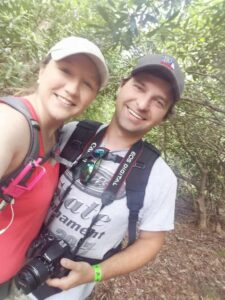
column 27, row 30
column 221, row 253
column 199, row 127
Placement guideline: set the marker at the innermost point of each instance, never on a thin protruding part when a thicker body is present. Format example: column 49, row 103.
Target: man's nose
column 144, row 102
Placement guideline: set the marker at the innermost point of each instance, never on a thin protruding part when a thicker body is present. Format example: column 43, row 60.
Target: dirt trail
column 191, row 266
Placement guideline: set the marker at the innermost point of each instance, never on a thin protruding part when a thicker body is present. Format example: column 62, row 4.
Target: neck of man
column 118, row 139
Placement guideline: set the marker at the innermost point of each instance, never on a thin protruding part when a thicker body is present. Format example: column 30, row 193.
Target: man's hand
column 80, row 273
column 130, row 259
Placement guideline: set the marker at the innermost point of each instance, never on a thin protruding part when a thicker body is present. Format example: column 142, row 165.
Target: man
column 144, row 100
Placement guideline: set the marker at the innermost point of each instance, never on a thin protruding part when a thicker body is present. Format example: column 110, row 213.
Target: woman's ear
column 41, row 70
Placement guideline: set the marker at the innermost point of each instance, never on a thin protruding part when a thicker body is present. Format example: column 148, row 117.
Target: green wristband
column 97, row 273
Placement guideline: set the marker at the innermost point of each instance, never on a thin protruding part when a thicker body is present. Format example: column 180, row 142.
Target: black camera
column 46, row 253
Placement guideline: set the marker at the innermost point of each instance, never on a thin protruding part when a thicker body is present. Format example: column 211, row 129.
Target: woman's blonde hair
column 33, row 87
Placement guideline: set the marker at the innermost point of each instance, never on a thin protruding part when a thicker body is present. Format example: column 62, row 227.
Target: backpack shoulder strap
column 136, row 184
column 33, row 151
column 79, row 138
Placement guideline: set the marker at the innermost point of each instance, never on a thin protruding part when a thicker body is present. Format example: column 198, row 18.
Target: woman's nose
column 73, row 88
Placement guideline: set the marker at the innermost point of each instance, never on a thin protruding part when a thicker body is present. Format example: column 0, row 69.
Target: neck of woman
column 48, row 126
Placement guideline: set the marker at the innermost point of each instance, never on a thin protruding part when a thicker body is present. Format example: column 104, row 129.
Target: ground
column 191, row 266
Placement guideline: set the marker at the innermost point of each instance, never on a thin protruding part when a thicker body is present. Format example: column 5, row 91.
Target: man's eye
column 160, row 102
column 138, row 86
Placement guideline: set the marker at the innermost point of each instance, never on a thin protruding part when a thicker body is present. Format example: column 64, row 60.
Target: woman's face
column 68, row 86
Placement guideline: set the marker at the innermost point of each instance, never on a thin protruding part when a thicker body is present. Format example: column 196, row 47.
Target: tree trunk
column 201, row 202
column 202, row 212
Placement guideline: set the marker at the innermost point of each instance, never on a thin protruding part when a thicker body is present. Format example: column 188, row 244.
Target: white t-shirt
column 82, row 203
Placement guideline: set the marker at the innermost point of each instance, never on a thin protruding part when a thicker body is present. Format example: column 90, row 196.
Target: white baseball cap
column 77, row 45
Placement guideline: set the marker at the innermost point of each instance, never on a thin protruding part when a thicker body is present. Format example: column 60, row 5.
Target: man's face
column 142, row 103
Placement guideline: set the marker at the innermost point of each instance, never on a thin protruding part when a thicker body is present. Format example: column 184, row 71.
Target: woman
column 68, row 81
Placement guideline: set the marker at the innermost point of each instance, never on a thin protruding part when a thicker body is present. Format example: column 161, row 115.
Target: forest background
column 192, row 141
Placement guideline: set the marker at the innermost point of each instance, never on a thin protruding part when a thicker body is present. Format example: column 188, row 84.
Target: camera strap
column 135, row 169
column 114, row 185
column 93, row 143
column 109, row 195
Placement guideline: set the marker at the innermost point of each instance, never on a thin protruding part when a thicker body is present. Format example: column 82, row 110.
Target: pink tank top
column 30, row 210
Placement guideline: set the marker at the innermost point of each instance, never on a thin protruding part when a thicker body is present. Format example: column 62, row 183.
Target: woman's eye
column 88, row 84
column 65, row 70
column 92, row 85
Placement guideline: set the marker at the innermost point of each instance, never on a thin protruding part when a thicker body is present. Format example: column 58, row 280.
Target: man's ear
column 122, row 83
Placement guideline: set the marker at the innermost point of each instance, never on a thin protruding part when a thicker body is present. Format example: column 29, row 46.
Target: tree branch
column 206, row 103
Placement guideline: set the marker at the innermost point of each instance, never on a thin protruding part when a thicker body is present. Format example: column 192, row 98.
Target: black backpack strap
column 136, row 184
column 34, row 127
column 135, row 189
column 78, row 141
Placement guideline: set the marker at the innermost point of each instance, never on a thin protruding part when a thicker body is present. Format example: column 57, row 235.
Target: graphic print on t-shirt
column 83, row 203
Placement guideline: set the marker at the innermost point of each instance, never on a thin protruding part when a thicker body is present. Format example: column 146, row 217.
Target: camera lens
column 32, row 275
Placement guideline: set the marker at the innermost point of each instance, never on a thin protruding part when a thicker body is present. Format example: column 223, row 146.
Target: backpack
column 136, row 180
column 17, row 182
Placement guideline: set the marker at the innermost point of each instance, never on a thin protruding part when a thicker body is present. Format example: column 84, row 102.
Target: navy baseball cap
column 164, row 65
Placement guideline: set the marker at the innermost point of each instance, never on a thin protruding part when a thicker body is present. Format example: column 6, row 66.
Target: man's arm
column 132, row 258
column 135, row 256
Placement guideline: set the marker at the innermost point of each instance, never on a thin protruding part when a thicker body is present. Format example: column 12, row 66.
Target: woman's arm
column 14, row 139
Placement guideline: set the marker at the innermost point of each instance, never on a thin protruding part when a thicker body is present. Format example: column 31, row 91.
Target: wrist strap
column 97, row 273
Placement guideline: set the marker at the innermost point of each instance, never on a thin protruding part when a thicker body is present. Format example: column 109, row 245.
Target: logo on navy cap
column 168, row 62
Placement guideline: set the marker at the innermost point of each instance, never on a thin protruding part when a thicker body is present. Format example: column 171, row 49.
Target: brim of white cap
column 58, row 54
